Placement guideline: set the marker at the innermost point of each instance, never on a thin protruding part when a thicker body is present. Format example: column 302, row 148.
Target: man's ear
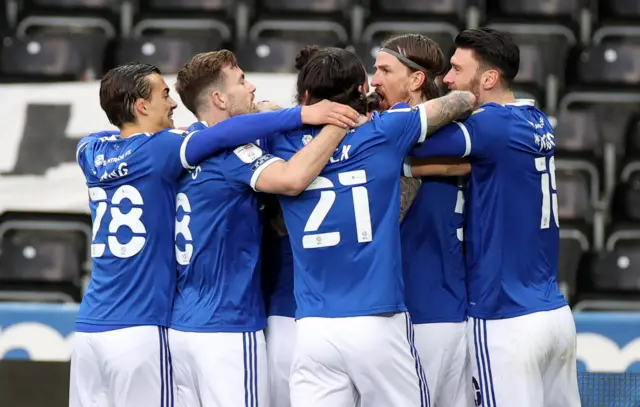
column 140, row 107
column 218, row 99
column 417, row 79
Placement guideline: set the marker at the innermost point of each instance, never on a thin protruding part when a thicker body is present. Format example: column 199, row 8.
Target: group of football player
column 394, row 248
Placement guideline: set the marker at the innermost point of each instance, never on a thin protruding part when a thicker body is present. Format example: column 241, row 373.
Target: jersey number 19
column 549, row 192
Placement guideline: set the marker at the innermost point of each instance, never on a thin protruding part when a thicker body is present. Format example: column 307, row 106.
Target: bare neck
column 500, row 97
column 130, row 129
column 213, row 116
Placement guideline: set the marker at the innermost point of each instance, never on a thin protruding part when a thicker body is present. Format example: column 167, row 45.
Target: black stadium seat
column 167, row 51
column 574, row 243
column 548, row 8
column 54, row 56
column 317, row 7
column 611, row 62
column 575, row 199
column 630, row 190
column 578, row 133
column 619, row 269
column 42, row 260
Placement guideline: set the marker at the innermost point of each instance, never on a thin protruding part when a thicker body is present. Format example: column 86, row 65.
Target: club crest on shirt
column 306, row 139
column 248, row 153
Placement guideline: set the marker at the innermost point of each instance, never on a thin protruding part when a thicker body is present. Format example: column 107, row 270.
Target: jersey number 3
column 324, row 205
column 130, row 219
column 548, row 188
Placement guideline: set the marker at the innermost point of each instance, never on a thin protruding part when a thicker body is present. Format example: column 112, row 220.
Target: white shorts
column 527, row 361
column 220, row 369
column 127, row 367
column 368, row 361
column 281, row 336
column 445, row 358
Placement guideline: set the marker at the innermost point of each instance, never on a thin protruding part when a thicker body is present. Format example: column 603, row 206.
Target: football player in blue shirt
column 521, row 332
column 121, row 354
column 354, row 340
column 217, row 341
column 431, row 233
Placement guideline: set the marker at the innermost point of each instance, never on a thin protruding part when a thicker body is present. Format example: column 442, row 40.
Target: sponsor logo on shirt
column 261, row 160
column 248, row 153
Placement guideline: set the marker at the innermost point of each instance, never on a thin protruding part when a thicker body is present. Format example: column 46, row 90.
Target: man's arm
column 446, row 109
column 437, row 166
column 246, row 128
column 409, row 188
column 294, row 176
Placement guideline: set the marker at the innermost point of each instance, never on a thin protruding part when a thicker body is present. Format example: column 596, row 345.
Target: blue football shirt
column 512, row 230
column 277, row 265
column 132, row 189
column 218, row 242
column 432, row 252
column 344, row 229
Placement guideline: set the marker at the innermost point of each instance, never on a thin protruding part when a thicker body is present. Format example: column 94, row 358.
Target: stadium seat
column 319, row 7
column 167, row 51
column 617, row 11
column 51, row 55
column 43, row 260
column 456, row 12
column 577, row 133
column 612, row 62
column 544, row 52
column 273, row 44
column 577, row 185
column 630, row 185
column 619, row 269
column 574, row 243
column 550, row 8
column 186, row 5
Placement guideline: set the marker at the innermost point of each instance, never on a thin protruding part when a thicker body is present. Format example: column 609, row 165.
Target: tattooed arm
column 445, row 109
column 408, row 191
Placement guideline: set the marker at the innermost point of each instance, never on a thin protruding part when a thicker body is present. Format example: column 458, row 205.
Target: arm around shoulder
column 294, row 176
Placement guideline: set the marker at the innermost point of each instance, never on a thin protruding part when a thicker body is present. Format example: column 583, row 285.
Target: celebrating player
column 354, row 340
column 431, row 233
column 120, row 355
column 217, row 343
column 521, row 332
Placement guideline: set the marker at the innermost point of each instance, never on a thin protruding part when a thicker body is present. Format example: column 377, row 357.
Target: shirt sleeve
column 244, row 164
column 238, row 130
column 404, row 126
column 475, row 137
column 84, row 146
column 166, row 153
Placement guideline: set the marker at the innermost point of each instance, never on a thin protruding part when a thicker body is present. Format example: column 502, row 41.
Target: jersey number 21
column 327, row 199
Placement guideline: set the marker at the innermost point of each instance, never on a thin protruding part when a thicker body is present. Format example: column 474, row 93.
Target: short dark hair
column 494, row 50
column 334, row 74
column 121, row 87
column 201, row 72
column 423, row 51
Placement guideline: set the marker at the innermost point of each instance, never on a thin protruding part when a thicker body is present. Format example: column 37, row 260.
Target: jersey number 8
column 130, row 219
column 327, row 199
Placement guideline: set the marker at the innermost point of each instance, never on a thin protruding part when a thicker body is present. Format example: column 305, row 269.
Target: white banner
column 61, row 188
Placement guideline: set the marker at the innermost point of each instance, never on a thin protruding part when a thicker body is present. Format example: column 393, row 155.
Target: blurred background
column 580, row 60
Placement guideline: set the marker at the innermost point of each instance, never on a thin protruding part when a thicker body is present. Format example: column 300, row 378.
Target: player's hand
column 327, row 112
column 267, row 106
column 362, row 119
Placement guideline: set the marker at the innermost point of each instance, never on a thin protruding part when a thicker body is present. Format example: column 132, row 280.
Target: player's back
column 432, row 254
column 132, row 188
column 218, row 236
column 512, row 234
column 344, row 229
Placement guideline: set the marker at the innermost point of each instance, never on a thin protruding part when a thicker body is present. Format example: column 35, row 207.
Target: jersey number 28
column 130, row 219
column 327, row 199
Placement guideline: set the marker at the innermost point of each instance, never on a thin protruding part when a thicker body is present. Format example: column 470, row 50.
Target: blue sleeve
column 85, row 143
column 237, row 131
column 166, row 153
column 475, row 137
column 403, row 126
column 244, row 164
